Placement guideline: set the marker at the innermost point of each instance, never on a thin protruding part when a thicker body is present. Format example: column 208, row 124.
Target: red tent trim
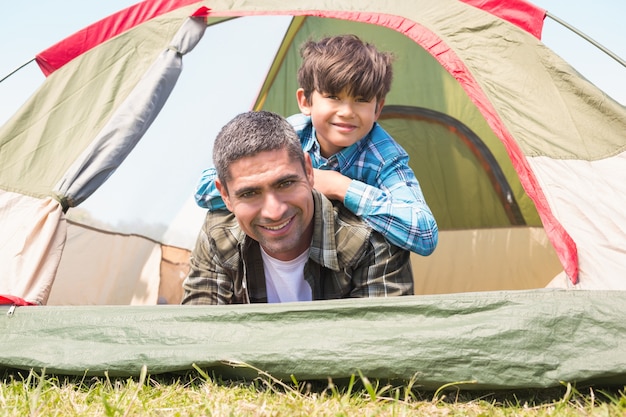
column 6, row 299
column 518, row 12
column 80, row 42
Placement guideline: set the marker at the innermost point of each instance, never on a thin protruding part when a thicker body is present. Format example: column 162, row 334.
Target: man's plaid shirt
column 347, row 259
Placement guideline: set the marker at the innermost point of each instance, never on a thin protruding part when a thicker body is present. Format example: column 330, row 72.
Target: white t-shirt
column 284, row 280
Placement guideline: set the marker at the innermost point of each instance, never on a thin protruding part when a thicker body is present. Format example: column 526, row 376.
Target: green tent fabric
column 496, row 340
column 530, row 154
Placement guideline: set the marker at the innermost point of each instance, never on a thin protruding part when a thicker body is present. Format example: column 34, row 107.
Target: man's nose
column 273, row 206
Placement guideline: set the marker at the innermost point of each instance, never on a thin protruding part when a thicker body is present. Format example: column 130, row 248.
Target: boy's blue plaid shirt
column 384, row 190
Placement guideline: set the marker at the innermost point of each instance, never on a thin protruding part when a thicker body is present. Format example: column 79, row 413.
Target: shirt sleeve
column 202, row 284
column 396, row 208
column 384, row 270
column 207, row 196
column 208, row 281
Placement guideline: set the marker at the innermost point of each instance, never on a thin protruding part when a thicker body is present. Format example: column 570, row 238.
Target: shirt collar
column 323, row 246
column 346, row 157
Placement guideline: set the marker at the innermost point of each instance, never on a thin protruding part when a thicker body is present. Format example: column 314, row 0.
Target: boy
column 343, row 84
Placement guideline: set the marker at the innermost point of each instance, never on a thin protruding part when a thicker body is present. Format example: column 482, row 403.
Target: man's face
column 270, row 195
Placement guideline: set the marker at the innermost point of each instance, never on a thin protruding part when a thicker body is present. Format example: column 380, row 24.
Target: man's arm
column 201, row 287
column 208, row 282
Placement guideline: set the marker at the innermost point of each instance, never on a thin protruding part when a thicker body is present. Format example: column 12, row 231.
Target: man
column 281, row 240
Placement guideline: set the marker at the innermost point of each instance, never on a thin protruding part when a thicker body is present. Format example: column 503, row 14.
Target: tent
column 517, row 154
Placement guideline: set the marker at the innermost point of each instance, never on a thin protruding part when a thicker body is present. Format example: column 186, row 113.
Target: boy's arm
column 396, row 208
column 207, row 196
column 334, row 185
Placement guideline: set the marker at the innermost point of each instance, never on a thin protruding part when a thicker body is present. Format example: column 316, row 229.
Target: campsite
column 528, row 202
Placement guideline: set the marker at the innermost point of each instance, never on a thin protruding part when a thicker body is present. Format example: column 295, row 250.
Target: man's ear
column 224, row 193
column 379, row 108
column 303, row 104
column 308, row 169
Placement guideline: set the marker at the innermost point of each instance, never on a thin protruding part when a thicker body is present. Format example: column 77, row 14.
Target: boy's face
column 270, row 195
column 339, row 120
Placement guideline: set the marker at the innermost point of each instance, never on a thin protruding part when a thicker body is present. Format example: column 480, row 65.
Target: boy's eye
column 362, row 100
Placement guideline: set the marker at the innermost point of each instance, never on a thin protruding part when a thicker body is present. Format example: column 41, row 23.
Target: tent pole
column 587, row 38
column 16, row 70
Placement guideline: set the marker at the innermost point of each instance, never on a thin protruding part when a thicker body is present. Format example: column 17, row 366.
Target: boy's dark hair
column 335, row 63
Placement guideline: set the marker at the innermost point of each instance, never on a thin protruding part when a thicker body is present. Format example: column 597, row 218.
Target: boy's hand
column 332, row 184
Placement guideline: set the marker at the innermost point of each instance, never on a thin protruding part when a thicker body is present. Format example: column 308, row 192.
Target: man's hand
column 332, row 184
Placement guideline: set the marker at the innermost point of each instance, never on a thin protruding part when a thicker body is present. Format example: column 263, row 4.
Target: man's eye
column 248, row 194
column 286, row 184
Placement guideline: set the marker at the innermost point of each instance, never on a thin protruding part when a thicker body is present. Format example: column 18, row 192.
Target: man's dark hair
column 249, row 134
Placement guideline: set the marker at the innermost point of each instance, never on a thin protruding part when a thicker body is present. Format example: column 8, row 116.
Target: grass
column 198, row 394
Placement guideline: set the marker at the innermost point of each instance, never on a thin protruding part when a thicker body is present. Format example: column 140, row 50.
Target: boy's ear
column 379, row 108
column 224, row 193
column 303, row 104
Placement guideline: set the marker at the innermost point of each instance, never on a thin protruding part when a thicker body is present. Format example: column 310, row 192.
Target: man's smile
column 278, row 227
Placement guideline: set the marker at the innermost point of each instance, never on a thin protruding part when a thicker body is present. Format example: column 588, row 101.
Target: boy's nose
column 345, row 109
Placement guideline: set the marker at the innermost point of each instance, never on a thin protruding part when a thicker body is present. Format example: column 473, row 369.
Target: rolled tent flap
column 32, row 249
column 32, row 240
column 130, row 120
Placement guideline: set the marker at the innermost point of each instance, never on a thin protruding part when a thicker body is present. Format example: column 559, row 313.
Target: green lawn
column 198, row 394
